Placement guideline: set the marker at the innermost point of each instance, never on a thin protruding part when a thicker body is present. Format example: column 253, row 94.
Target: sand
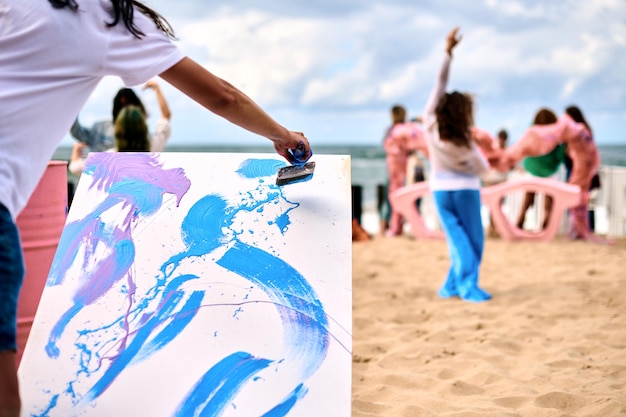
column 551, row 342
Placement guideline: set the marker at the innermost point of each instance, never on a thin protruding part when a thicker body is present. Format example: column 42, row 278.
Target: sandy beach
column 551, row 342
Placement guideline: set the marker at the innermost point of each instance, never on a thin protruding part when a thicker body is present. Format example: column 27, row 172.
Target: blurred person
column 585, row 158
column 401, row 140
column 99, row 137
column 494, row 176
column 541, row 166
column 457, row 165
column 102, row 133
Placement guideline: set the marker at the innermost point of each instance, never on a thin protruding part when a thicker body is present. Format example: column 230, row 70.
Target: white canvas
column 189, row 284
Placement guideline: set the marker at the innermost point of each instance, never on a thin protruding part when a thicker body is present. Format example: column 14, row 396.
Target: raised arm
column 441, row 82
column 163, row 106
column 81, row 133
column 223, row 99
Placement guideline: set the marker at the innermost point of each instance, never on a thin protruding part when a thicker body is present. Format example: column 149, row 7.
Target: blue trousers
column 11, row 278
column 459, row 212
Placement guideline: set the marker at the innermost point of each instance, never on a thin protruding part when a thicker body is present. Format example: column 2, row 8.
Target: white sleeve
column 161, row 135
column 438, row 91
column 138, row 60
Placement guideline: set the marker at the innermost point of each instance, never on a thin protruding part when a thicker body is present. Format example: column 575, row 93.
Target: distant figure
column 457, row 165
column 585, row 163
column 541, row 166
column 102, row 134
column 402, row 139
column 415, row 173
column 494, row 176
column 99, row 138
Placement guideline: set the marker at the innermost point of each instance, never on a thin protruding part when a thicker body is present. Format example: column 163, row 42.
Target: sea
column 367, row 162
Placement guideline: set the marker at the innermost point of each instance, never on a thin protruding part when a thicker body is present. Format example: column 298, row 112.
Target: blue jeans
column 459, row 212
column 11, row 278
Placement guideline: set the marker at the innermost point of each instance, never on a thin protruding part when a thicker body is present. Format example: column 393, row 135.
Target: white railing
column 609, row 206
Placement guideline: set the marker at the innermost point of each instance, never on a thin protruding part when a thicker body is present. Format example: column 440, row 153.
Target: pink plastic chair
column 563, row 195
column 403, row 201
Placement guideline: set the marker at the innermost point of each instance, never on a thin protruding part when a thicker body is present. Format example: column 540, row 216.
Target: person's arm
column 161, row 135
column 81, row 133
column 77, row 161
column 442, row 77
column 163, row 106
column 539, row 140
column 223, row 99
column 488, row 145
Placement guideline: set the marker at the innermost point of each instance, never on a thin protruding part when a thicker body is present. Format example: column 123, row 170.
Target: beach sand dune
column 551, row 342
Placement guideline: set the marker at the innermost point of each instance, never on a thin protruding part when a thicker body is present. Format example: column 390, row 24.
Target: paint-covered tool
column 300, row 171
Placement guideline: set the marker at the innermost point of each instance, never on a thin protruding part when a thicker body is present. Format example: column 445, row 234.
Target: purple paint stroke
column 109, row 169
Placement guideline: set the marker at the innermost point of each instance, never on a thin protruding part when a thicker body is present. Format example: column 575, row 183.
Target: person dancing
column 457, row 165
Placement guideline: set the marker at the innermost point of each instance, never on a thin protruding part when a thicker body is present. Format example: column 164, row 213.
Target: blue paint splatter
column 154, row 319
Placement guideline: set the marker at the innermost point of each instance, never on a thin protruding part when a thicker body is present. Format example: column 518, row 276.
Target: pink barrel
column 40, row 225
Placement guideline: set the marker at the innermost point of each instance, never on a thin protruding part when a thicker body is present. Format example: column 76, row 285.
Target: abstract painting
column 190, row 284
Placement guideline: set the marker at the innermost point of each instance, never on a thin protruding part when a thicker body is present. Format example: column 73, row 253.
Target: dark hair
column 123, row 98
column 123, row 10
column 131, row 130
column 545, row 116
column 577, row 115
column 455, row 117
column 398, row 114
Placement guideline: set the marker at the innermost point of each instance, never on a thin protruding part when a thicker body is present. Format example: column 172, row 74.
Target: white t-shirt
column 51, row 60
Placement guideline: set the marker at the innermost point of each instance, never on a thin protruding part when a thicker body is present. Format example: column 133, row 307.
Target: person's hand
column 452, row 40
column 79, row 150
column 153, row 84
column 295, row 143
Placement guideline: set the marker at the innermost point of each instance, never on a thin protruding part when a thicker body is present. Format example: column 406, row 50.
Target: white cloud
column 346, row 58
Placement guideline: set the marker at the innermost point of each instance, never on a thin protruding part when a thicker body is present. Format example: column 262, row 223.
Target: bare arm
column 163, row 106
column 223, row 99
column 442, row 78
column 77, row 161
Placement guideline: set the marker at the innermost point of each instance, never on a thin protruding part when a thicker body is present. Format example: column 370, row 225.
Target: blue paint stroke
column 258, row 168
column 217, row 387
column 306, row 337
column 287, row 404
column 138, row 186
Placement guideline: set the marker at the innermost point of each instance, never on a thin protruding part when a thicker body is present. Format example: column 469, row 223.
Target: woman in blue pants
column 456, row 168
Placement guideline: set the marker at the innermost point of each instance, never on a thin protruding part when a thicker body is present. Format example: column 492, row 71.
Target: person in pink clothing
column 572, row 130
column 585, row 163
column 402, row 139
column 540, row 140
column 488, row 145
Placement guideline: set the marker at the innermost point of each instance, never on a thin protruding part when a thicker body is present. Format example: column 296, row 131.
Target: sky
column 333, row 69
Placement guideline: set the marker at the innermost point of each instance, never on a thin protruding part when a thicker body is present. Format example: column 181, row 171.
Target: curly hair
column 123, row 10
column 455, row 117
